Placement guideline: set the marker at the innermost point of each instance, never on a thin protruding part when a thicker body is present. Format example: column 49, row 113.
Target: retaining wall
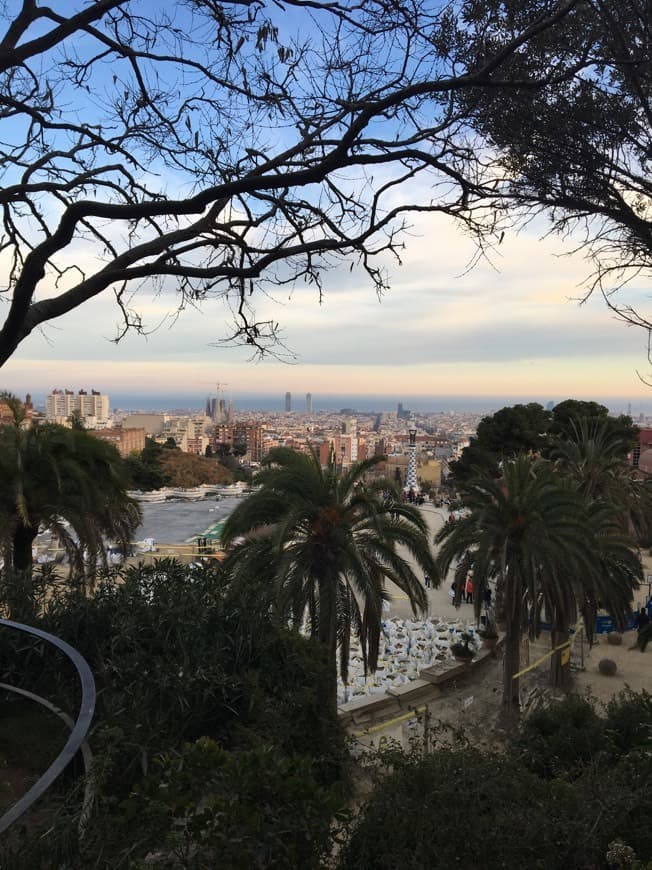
column 368, row 709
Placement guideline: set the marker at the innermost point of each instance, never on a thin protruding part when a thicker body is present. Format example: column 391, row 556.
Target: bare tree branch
column 222, row 148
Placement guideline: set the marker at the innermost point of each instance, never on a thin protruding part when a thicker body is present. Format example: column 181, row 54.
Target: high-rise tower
column 308, row 403
column 288, row 402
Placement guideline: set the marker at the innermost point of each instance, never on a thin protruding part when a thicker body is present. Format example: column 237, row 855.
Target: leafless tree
column 216, row 149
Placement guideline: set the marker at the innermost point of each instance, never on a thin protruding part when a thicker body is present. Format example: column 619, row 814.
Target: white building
column 191, row 434
column 93, row 407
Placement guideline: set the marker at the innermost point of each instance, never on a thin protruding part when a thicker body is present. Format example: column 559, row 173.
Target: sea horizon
column 361, row 403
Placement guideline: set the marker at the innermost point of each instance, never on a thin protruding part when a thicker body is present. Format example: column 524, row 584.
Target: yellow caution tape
column 390, row 722
column 568, row 644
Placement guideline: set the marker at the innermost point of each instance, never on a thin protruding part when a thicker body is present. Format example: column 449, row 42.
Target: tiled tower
column 411, row 482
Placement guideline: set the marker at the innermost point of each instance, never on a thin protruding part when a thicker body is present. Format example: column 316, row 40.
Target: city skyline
column 363, row 404
column 442, row 330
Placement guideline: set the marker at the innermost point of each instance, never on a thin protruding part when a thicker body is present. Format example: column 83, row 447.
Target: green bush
column 462, row 808
column 178, row 656
column 561, row 738
column 205, row 807
column 629, row 720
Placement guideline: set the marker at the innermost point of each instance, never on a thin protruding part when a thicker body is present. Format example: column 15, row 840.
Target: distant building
column 60, row 405
column 308, row 403
column 444, row 449
column 126, row 440
column 396, row 467
column 288, row 402
column 380, row 448
column 343, row 448
column 246, row 434
column 641, row 455
column 7, row 415
column 190, row 434
column 218, row 411
column 152, row 423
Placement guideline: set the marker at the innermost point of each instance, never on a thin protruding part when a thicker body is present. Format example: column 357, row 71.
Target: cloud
column 505, row 326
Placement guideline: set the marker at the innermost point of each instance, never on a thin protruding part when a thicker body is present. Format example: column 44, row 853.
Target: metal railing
column 79, row 729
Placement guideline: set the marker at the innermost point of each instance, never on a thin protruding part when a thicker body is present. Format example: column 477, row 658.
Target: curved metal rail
column 78, row 733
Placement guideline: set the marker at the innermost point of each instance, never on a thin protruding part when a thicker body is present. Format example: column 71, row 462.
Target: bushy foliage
column 177, row 658
column 144, row 469
column 562, row 738
column 629, row 720
column 186, row 469
column 206, row 807
column 593, row 790
column 463, row 808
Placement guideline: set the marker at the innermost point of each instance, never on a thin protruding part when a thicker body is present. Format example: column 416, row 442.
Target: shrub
column 205, row 807
column 629, row 720
column 462, row 808
column 561, row 737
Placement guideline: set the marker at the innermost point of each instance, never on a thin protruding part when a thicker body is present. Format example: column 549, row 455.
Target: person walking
column 641, row 620
column 468, row 588
column 426, row 579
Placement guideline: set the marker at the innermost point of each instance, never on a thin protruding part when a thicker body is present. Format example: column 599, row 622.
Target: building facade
column 249, row 435
column 126, row 440
column 60, row 405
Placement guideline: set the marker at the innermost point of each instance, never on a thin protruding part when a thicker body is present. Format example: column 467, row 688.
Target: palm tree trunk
column 560, row 673
column 511, row 666
column 328, row 636
column 512, row 607
column 23, row 539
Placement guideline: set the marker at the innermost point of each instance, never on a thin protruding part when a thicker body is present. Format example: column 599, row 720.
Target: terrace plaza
column 471, row 696
column 479, row 688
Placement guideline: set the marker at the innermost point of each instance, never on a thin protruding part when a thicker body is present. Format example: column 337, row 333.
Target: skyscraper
column 288, row 402
column 308, row 403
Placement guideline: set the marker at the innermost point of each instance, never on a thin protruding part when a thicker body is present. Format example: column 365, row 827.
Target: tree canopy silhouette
column 217, row 150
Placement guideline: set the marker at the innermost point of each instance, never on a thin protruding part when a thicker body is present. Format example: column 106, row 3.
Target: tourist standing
column 641, row 620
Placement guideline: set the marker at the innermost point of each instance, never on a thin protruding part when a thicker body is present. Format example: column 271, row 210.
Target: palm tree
column 593, row 459
column 66, row 481
column 596, row 460
column 526, row 531
column 329, row 543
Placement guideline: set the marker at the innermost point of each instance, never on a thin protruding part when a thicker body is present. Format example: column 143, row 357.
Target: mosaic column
column 411, row 479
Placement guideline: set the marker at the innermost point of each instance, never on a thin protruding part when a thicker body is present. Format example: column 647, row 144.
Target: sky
column 511, row 328
column 502, row 331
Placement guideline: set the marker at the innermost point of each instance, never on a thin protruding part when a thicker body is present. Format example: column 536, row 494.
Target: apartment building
column 92, row 408
column 126, row 440
column 247, row 434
